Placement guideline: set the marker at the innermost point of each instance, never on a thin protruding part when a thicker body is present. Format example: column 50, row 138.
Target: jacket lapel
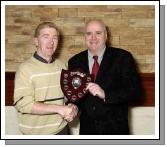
column 84, row 62
column 105, row 63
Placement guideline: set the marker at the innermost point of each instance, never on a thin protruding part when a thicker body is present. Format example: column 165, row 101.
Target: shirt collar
column 38, row 57
column 100, row 55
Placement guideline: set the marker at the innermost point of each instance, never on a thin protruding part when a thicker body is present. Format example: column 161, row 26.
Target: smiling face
column 95, row 36
column 46, row 42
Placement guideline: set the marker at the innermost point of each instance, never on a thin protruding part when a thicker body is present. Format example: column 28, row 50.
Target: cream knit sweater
column 36, row 81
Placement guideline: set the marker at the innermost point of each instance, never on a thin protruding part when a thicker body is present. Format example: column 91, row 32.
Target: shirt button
column 94, row 108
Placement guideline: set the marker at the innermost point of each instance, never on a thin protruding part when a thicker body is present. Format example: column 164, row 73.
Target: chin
column 50, row 52
column 93, row 48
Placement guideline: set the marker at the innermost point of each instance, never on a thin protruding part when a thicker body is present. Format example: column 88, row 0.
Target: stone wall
column 130, row 27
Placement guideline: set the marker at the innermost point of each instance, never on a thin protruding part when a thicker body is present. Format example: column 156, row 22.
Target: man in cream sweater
column 38, row 97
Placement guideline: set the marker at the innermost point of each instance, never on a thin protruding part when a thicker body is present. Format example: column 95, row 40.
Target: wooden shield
column 73, row 84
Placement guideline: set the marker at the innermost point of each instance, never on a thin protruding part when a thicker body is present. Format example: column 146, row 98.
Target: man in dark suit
column 104, row 110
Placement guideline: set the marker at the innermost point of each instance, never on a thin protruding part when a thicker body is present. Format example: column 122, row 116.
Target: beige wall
column 141, row 121
column 131, row 27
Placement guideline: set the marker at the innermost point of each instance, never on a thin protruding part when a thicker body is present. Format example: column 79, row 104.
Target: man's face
column 47, row 42
column 95, row 36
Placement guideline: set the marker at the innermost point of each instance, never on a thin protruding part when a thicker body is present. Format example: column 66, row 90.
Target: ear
column 35, row 41
column 106, row 36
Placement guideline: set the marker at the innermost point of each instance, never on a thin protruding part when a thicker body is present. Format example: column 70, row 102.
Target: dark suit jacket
column 118, row 77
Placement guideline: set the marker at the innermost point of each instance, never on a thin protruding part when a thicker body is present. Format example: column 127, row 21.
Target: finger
column 70, row 118
column 89, row 85
column 75, row 113
column 93, row 91
column 69, row 105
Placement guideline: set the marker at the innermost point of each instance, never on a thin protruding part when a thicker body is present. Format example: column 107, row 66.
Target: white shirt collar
column 100, row 54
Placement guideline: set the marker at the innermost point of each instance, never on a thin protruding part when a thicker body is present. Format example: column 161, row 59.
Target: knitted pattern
column 36, row 81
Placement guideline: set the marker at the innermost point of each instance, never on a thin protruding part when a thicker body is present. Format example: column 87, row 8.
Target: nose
column 94, row 37
column 51, row 41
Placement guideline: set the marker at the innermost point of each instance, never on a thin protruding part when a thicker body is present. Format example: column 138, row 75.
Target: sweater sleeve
column 23, row 91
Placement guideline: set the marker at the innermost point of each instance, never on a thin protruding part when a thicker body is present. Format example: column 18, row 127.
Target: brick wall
column 131, row 28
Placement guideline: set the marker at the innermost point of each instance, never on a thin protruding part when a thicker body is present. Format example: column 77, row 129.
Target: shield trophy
column 73, row 84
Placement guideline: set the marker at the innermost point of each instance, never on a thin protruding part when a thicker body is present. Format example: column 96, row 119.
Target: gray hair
column 99, row 21
column 45, row 25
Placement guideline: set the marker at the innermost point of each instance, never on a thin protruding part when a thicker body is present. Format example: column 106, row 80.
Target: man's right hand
column 69, row 112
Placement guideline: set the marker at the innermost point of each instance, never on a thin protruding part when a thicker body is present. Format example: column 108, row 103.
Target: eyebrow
column 95, row 31
column 48, row 35
column 45, row 34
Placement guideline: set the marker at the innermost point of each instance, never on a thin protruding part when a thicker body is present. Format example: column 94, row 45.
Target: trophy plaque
column 73, row 84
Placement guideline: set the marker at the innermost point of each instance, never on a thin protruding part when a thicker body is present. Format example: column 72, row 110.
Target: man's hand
column 96, row 90
column 69, row 112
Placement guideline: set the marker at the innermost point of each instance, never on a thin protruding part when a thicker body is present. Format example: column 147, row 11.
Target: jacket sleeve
column 129, row 86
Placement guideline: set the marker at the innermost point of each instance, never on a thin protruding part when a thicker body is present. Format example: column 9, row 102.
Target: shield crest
column 73, row 84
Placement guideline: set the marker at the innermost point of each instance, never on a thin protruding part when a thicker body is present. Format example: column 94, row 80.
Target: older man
column 104, row 111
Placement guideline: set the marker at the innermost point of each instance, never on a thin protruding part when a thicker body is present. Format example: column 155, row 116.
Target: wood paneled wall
column 147, row 79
